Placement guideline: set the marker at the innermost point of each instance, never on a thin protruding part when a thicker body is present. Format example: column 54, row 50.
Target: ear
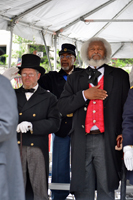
column 73, row 59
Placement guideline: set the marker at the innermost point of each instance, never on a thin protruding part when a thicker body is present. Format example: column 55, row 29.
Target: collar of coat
column 39, row 96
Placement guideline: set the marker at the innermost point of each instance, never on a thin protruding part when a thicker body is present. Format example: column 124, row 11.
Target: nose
column 95, row 50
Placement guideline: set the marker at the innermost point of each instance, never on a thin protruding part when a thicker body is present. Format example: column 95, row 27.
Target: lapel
column 108, row 81
column 36, row 98
column 83, row 77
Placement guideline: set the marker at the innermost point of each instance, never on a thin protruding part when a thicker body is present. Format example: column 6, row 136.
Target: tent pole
column 84, row 16
column 11, row 38
column 122, row 44
column 78, row 55
column 116, row 16
column 55, row 50
column 46, row 50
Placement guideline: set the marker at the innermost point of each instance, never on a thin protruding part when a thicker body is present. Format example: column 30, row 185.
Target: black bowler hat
column 67, row 48
column 31, row 61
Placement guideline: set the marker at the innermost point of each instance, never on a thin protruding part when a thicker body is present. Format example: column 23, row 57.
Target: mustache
column 96, row 54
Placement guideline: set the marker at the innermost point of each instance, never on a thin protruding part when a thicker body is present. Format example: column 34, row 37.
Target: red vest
column 94, row 114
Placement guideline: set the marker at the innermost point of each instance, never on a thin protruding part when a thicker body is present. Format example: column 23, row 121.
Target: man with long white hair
column 95, row 96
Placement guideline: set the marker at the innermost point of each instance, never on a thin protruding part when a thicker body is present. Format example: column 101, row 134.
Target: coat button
column 20, row 113
column 94, row 111
column 94, row 121
column 94, row 102
column 34, row 115
column 85, row 108
column 83, row 126
column 65, row 122
column 32, row 144
column 18, row 142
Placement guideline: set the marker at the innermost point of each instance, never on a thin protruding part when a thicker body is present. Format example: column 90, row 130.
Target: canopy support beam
column 11, row 38
column 46, row 50
column 78, row 55
column 84, row 16
column 108, row 20
column 117, row 15
column 55, row 52
column 122, row 44
column 30, row 10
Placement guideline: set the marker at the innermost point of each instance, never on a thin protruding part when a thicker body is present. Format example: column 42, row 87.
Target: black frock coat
column 41, row 110
column 116, row 83
column 54, row 82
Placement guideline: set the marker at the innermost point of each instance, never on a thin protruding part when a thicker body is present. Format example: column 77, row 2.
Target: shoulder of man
column 44, row 91
column 116, row 69
column 50, row 73
column 77, row 69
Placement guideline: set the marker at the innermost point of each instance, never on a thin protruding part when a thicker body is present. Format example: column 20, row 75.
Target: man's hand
column 119, row 140
column 24, row 127
column 10, row 73
column 128, row 157
column 95, row 93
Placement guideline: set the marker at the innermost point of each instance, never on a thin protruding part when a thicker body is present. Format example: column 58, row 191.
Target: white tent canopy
column 74, row 21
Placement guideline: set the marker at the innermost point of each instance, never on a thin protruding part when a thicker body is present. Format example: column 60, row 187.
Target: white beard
column 65, row 68
column 96, row 63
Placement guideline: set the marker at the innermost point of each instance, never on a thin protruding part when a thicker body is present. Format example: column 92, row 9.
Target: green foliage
column 22, row 46
column 118, row 63
column 122, row 63
column 3, row 63
column 27, row 46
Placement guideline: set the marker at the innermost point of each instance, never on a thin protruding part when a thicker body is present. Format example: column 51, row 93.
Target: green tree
column 122, row 63
column 27, row 46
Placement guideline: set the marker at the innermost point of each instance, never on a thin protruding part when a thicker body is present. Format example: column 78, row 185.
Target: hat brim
column 68, row 51
column 38, row 68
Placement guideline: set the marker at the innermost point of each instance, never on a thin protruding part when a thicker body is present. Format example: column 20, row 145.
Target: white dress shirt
column 29, row 94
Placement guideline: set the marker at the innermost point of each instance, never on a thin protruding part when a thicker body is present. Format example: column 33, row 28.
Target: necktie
column 28, row 90
column 93, row 75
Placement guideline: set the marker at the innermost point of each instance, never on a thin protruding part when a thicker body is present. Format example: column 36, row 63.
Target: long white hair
column 84, row 51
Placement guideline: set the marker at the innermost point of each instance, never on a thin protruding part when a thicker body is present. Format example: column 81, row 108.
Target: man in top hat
column 38, row 116
column 96, row 97
column 55, row 81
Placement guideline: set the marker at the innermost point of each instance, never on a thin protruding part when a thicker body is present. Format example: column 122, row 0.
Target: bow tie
column 93, row 75
column 28, row 90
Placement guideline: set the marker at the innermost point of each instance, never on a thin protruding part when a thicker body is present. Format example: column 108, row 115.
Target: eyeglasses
column 67, row 57
column 30, row 75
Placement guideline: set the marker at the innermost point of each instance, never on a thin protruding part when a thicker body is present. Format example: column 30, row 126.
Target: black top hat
column 68, row 48
column 31, row 61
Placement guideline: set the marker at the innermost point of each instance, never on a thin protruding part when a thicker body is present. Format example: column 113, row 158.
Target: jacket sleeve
column 8, row 110
column 71, row 99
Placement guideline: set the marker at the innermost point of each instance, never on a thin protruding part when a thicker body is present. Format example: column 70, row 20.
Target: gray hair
column 37, row 71
column 84, row 50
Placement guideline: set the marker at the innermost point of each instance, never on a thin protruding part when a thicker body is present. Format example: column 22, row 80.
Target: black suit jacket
column 41, row 110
